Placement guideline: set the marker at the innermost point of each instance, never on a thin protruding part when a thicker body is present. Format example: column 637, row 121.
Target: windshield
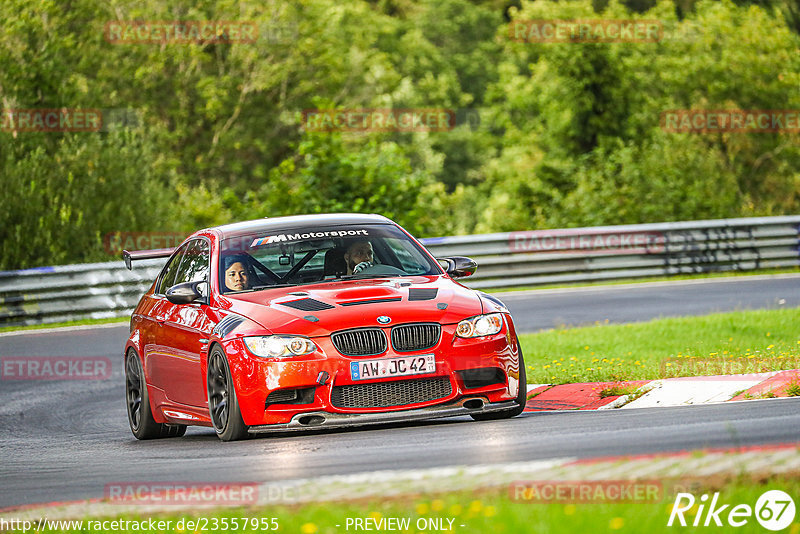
column 288, row 258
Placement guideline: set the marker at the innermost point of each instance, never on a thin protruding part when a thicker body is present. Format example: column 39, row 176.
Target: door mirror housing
column 458, row 266
column 186, row 293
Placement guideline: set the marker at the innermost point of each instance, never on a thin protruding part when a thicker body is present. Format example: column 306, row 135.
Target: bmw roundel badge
column 383, row 319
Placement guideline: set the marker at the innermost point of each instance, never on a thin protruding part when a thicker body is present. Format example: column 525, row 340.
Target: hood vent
column 307, row 305
column 422, row 293
column 370, row 301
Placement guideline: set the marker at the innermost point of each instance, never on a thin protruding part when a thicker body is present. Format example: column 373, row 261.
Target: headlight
column 481, row 325
column 279, row 346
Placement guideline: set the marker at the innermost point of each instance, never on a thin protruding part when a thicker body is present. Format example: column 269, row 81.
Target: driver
column 358, row 256
column 237, row 277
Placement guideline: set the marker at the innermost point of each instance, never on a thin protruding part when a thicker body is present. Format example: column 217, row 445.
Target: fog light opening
column 473, row 404
column 311, row 420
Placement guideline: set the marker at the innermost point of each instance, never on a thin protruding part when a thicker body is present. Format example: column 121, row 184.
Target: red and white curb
column 681, row 391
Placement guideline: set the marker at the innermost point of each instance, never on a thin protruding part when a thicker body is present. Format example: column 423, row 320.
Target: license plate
column 408, row 365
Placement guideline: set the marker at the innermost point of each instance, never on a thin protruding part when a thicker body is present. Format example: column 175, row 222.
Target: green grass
column 617, row 390
column 673, row 278
column 494, row 511
column 726, row 343
column 120, row 320
column 763, row 395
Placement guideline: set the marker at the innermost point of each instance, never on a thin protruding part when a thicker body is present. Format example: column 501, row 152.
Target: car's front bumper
column 257, row 378
column 318, row 420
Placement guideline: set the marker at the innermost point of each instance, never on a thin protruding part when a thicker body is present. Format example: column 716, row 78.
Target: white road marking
column 59, row 329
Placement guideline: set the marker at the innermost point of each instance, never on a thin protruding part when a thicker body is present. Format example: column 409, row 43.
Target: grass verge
column 794, row 389
column 478, row 512
column 120, row 320
column 725, row 343
column 618, row 390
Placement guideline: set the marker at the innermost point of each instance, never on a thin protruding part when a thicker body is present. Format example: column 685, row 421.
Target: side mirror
column 458, row 266
column 185, row 293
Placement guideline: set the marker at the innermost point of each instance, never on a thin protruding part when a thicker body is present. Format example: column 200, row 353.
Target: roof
column 298, row 223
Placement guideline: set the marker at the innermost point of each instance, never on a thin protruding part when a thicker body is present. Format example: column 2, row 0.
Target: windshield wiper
column 360, row 277
column 269, row 286
column 293, row 284
column 323, row 281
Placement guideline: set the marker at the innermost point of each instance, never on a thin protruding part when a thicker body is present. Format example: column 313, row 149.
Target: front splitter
column 317, row 420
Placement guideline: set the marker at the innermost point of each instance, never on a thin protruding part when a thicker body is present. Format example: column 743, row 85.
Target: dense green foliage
column 569, row 134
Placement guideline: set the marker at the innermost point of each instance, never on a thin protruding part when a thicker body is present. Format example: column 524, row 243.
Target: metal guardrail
column 544, row 257
column 514, row 259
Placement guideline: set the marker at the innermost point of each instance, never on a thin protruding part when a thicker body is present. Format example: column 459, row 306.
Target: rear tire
column 140, row 416
column 522, row 397
column 223, row 406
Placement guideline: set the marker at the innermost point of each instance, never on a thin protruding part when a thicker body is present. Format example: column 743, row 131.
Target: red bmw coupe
column 311, row 322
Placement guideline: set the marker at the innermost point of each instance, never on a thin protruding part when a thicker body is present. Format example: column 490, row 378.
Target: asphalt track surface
column 542, row 309
column 65, row 440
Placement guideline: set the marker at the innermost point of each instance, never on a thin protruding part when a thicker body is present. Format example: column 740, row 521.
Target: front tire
column 522, row 396
column 140, row 416
column 223, row 406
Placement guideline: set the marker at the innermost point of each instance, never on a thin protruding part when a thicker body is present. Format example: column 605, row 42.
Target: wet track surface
column 65, row 440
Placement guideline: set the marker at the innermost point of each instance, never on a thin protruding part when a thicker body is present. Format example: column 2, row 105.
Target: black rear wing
column 135, row 255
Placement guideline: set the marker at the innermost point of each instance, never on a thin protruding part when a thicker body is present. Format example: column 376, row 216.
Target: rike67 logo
column 774, row 510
